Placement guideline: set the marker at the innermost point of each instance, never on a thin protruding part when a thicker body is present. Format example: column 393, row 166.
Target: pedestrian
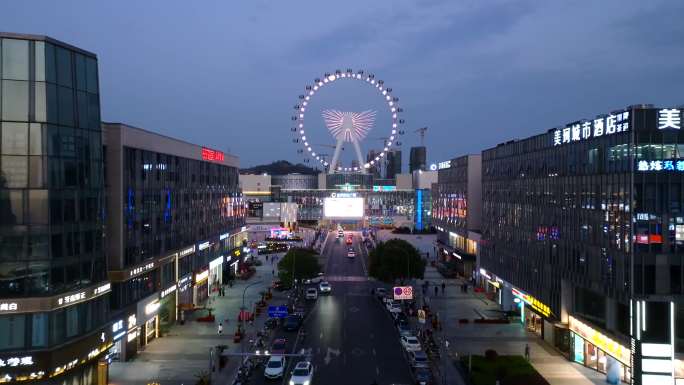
column 443, row 287
column 220, row 328
column 527, row 352
column 436, row 291
column 273, row 273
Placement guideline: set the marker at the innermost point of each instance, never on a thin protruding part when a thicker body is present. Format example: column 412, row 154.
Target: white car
column 324, row 287
column 318, row 278
column 275, row 367
column 302, row 373
column 410, row 343
column 393, row 306
column 311, row 293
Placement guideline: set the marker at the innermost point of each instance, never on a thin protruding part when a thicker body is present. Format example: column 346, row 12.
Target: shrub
column 491, row 354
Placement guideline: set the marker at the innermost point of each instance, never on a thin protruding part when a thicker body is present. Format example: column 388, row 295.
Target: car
column 393, row 306
column 292, row 322
column 404, row 329
column 280, row 286
column 351, row 254
column 418, row 359
column 380, row 292
column 423, row 376
column 340, row 234
column 410, row 343
column 324, row 287
column 279, row 346
column 320, row 277
column 302, row 374
column 311, row 293
column 275, row 367
column 400, row 318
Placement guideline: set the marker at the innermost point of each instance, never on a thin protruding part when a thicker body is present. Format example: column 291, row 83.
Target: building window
column 39, row 329
column 12, row 332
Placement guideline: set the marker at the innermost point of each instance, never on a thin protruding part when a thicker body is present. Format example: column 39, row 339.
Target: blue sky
column 476, row 73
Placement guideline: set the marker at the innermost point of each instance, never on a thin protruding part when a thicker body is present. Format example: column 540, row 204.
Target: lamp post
column 242, row 310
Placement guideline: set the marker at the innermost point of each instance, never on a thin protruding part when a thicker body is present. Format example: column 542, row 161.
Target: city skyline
column 443, row 59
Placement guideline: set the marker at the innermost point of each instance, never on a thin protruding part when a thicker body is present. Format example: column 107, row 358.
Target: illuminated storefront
column 595, row 350
column 200, row 287
column 215, row 275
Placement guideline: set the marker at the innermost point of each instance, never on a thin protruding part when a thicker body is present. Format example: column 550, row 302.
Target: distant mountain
column 280, row 167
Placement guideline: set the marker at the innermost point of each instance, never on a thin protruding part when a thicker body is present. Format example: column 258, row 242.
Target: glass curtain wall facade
column 51, row 191
column 585, row 219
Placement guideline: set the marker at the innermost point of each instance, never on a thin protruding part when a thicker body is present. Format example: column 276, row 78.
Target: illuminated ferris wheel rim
column 349, row 74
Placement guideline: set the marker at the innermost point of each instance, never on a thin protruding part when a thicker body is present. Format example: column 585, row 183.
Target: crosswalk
column 346, row 278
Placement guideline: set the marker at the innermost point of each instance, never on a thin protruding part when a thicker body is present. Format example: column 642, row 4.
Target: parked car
column 275, row 367
column 380, row 292
column 311, row 293
column 418, row 359
column 292, row 322
column 279, row 346
column 423, row 376
column 410, row 343
column 317, row 279
column 393, row 306
column 400, row 318
column 404, row 329
column 324, row 287
column 302, row 373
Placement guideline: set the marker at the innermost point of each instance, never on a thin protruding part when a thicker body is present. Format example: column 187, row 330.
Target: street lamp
column 242, row 312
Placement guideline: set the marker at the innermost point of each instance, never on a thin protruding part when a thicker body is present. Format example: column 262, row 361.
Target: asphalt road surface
column 350, row 337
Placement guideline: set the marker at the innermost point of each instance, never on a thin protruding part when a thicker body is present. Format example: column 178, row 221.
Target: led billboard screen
column 343, row 207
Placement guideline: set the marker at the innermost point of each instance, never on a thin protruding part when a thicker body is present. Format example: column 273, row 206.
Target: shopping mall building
column 583, row 236
column 175, row 227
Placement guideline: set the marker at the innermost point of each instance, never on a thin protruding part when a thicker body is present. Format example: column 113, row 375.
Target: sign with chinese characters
column 16, row 361
column 534, row 303
column 102, row 289
column 223, row 236
column 601, row 341
column 116, row 326
column 168, row 290
column 403, row 292
column 443, row 165
column 71, row 298
column 212, row 155
column 204, row 245
column 186, row 251
column 141, row 269
column 669, row 118
column 661, row 165
column 132, row 321
column 8, row 306
column 384, row 188
column 609, row 125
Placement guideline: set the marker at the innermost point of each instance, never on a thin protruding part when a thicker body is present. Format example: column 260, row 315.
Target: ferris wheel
column 346, row 126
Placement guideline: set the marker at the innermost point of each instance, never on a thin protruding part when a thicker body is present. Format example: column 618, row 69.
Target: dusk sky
column 226, row 74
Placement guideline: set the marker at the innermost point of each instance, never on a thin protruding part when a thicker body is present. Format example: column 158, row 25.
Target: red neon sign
column 212, row 155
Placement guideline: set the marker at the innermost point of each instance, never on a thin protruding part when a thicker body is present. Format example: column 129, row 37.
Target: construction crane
column 422, row 134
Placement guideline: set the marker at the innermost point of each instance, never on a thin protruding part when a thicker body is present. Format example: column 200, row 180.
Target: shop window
column 12, row 331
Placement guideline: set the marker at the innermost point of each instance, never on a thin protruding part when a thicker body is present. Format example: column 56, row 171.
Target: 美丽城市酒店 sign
column 612, row 124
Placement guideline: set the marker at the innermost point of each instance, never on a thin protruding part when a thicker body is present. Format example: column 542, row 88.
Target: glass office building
column 457, row 211
column 174, row 215
column 584, row 225
column 54, row 293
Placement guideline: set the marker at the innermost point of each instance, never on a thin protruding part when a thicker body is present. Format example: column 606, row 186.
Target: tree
column 303, row 262
column 395, row 259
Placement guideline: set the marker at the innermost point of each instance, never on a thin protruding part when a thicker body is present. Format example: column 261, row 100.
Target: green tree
column 395, row 259
column 302, row 262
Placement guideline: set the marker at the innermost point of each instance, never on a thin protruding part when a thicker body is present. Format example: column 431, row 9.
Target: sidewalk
column 178, row 357
column 506, row 339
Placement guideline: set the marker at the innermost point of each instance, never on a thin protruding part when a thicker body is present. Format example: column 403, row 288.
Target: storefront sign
column 384, row 188
column 608, row 345
column 187, row 251
column 184, row 283
column 132, row 321
column 199, row 277
column 483, row 273
column 16, row 361
column 661, row 165
column 243, row 229
column 669, row 118
column 343, row 195
column 403, row 292
column 203, row 245
column 102, row 289
column 534, row 303
column 71, row 298
column 116, row 326
column 9, row 306
column 152, row 307
column 216, row 262
column 141, row 269
column 212, row 155
column 612, row 124
column 132, row 334
column 168, row 291
column 443, row 165
column 223, row 236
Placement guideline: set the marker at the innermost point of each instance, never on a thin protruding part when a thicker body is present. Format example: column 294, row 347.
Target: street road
column 352, row 339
